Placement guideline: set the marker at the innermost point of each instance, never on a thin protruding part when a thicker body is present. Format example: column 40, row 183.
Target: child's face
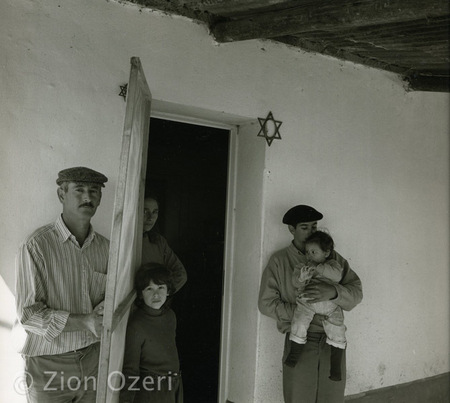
column 154, row 295
column 315, row 254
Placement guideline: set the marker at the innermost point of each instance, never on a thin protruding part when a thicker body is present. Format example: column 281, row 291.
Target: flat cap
column 301, row 213
column 81, row 174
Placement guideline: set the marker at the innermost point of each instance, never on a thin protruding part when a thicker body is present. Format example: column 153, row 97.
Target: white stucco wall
column 371, row 157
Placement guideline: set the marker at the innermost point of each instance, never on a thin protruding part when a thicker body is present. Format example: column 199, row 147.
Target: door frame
column 185, row 114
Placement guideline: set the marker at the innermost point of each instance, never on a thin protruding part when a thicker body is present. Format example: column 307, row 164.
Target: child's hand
column 306, row 273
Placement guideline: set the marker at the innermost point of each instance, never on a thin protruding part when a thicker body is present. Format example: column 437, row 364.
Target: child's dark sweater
column 150, row 348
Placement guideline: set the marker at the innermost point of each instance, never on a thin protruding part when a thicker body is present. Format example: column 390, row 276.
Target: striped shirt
column 55, row 277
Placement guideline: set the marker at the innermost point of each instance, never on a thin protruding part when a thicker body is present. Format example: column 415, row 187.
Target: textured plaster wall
column 371, row 157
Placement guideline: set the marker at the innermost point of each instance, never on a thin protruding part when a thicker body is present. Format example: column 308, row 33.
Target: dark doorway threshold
column 187, row 170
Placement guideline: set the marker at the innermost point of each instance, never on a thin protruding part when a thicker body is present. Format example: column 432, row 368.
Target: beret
column 81, row 174
column 301, row 213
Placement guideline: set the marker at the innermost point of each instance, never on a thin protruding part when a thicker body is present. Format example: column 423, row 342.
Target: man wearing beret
column 308, row 381
column 60, row 285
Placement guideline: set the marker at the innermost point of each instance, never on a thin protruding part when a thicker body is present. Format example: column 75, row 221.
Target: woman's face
column 151, row 210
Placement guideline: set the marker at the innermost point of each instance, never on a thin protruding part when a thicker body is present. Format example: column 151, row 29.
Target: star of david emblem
column 269, row 128
column 123, row 91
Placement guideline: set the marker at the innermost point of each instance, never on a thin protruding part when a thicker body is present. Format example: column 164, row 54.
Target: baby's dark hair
column 156, row 272
column 322, row 239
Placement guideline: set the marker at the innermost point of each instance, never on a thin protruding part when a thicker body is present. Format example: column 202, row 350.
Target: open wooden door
column 126, row 234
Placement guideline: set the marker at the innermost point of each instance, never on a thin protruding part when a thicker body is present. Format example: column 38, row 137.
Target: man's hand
column 317, row 291
column 100, row 308
column 91, row 321
column 94, row 323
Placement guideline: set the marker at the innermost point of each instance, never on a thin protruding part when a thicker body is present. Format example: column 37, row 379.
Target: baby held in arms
column 320, row 267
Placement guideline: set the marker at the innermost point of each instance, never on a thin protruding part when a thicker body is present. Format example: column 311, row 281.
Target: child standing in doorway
column 319, row 246
column 151, row 365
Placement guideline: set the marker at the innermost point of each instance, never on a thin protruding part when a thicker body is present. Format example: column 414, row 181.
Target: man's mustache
column 87, row 204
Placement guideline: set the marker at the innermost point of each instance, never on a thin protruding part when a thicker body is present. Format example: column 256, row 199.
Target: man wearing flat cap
column 60, row 285
column 308, row 381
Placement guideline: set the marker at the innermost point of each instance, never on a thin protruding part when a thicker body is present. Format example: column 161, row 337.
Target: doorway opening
column 187, row 170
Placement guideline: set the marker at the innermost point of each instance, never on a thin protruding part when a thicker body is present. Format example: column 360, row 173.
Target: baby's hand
column 306, row 273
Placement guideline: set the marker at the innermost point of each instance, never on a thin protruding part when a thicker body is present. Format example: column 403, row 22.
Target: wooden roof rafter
column 326, row 16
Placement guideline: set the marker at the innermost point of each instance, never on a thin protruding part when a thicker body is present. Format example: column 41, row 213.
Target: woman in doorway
column 155, row 248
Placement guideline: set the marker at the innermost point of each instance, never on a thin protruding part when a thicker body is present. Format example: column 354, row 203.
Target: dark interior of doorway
column 187, row 171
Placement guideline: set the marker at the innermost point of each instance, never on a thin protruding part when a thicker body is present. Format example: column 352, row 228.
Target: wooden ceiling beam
column 327, row 16
column 430, row 28
column 425, row 52
column 428, row 83
column 231, row 6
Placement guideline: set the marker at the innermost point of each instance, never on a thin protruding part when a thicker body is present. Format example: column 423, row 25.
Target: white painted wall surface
column 371, row 157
